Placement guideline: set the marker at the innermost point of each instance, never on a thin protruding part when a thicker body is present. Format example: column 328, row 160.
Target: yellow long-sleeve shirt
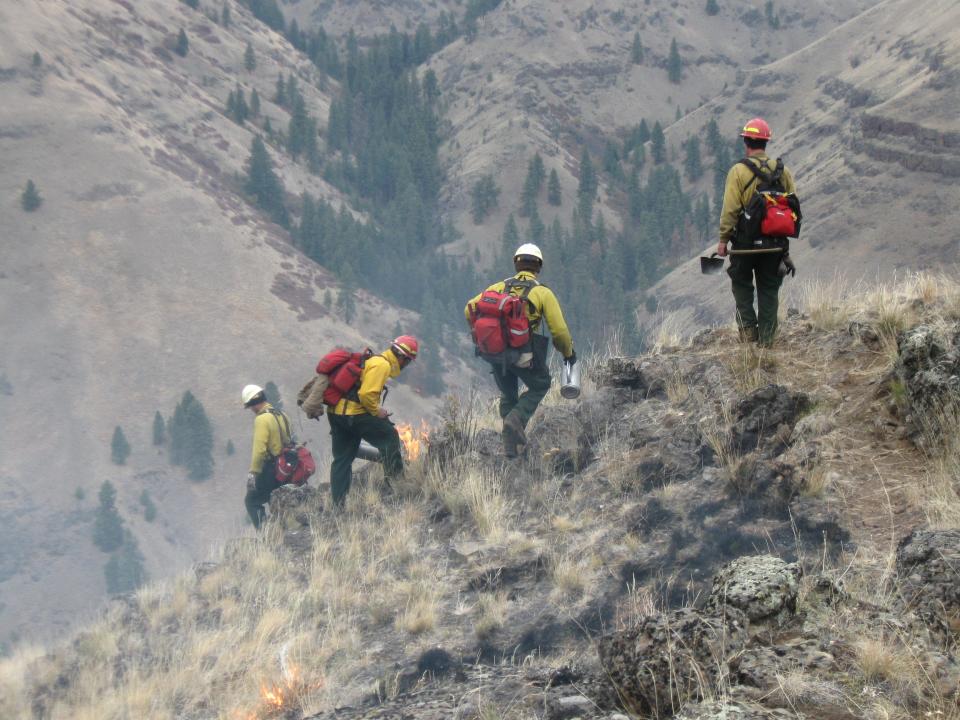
column 268, row 438
column 542, row 305
column 376, row 371
column 739, row 189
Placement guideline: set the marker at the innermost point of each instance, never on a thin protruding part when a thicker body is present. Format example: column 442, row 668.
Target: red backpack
column 295, row 464
column 772, row 213
column 343, row 368
column 499, row 323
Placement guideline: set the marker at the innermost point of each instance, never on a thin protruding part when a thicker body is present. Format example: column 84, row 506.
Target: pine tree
column 346, row 302
column 249, row 59
column 263, row 184
column 272, row 393
column 554, row 194
column 611, row 161
column 714, row 140
column 484, row 198
column 183, row 44
column 195, row 4
column 509, row 242
column 230, row 448
column 674, row 63
column 149, row 508
column 36, row 61
column 191, row 438
column 636, row 50
column 119, row 447
column 536, row 173
column 712, row 8
column 159, row 429
column 773, row 18
column 692, row 165
column 658, row 144
column 280, row 96
column 30, row 199
column 107, row 524
column 225, row 16
column 254, row 103
column 124, row 572
column 536, row 230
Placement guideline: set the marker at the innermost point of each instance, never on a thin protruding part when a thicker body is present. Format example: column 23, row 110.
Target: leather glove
column 572, row 360
column 787, row 267
column 251, row 482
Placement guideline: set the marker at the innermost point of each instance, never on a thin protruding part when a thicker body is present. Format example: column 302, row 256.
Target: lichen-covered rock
column 928, row 573
column 763, row 587
column 731, row 710
column 645, row 375
column 671, row 658
column 765, row 413
column 929, row 367
column 763, row 667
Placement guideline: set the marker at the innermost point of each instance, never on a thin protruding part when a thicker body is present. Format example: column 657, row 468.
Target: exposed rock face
column 763, row 587
column 670, row 658
column 929, row 367
column 762, row 414
column 928, row 568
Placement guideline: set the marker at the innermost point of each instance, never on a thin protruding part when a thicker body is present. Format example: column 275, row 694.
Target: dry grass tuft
column 491, row 614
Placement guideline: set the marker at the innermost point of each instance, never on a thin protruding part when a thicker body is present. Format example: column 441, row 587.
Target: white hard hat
column 249, row 393
column 529, row 249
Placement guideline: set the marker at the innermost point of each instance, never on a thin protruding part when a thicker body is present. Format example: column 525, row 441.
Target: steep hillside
column 867, row 118
column 773, row 533
column 144, row 273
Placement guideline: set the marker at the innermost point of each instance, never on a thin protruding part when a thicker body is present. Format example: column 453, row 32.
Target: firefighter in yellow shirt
column 271, row 431
column 359, row 416
column 764, row 264
column 516, row 409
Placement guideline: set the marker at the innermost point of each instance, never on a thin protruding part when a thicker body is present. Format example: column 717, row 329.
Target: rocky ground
column 709, row 532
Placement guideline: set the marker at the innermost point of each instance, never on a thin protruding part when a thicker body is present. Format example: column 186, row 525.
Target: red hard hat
column 756, row 129
column 405, row 346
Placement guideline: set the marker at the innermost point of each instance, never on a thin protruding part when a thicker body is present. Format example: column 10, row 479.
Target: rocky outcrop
column 928, row 365
column 731, row 710
column 671, row 658
column 763, row 587
column 767, row 412
column 928, row 573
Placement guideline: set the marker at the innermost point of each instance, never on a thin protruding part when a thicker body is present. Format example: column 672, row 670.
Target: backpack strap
column 277, row 414
column 773, row 177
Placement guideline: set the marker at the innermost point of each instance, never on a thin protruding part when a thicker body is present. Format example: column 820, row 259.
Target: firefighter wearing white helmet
column 517, row 408
column 271, row 431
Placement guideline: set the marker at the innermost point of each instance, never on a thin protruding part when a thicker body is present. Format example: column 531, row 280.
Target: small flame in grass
column 279, row 699
column 414, row 439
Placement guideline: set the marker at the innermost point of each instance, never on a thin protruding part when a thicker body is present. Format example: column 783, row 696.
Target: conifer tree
column 712, row 8
column 230, row 448
column 191, row 438
column 280, row 96
column 554, row 194
column 587, row 190
column 159, row 429
column 714, row 140
column 263, row 184
column 484, row 198
column 636, row 50
column 195, row 4
column 658, row 144
column 225, row 16
column 509, row 242
column 107, row 524
column 272, row 393
column 611, row 161
column 346, row 302
column 536, row 173
column 249, row 59
column 36, row 61
column 149, row 508
column 119, row 447
column 692, row 165
column 536, row 230
column 30, row 199
column 773, row 18
column 254, row 103
column 674, row 63
column 183, row 44
column 124, row 572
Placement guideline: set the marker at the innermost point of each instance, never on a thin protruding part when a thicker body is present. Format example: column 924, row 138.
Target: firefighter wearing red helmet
column 360, row 416
column 754, row 260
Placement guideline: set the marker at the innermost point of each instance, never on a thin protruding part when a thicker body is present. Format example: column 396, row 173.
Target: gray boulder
column 671, row 658
column 764, row 413
column 928, row 364
column 928, row 569
column 731, row 710
column 763, row 587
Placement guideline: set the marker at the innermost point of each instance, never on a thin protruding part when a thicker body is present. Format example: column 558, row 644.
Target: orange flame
column 278, row 698
column 414, row 440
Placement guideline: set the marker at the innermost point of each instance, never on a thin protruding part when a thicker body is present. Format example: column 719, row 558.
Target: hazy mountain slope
column 143, row 274
column 867, row 118
column 548, row 77
column 367, row 17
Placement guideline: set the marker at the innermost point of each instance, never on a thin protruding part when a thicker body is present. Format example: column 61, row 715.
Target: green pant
column 264, row 486
column 346, row 432
column 742, row 271
column 536, row 378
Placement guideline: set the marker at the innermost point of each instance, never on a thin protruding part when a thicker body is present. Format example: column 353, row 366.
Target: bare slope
column 143, row 274
column 867, row 118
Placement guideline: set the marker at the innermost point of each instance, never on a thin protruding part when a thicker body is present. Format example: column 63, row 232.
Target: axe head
column 712, row 265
